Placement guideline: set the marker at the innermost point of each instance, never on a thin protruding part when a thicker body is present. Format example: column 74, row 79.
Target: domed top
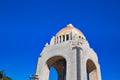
column 70, row 28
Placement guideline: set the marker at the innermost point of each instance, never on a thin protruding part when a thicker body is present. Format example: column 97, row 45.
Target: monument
column 70, row 54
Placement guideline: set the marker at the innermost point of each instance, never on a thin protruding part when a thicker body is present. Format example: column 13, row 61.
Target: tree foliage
column 3, row 76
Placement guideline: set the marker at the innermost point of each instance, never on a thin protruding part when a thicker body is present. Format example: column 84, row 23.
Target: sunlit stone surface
column 70, row 54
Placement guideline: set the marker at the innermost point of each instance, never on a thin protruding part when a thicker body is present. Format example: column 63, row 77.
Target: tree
column 3, row 76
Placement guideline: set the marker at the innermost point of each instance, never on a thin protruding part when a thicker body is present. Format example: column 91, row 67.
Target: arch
column 53, row 74
column 59, row 63
column 91, row 70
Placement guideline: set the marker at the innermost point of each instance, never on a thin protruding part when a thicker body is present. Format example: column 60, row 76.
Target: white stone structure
column 70, row 54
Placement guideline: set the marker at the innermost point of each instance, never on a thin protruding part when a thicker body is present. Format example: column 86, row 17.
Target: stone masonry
column 70, row 54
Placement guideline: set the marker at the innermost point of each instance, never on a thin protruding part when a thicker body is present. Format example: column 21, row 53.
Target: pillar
column 61, row 38
column 65, row 37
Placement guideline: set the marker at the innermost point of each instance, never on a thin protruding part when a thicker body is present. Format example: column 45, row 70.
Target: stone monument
column 70, row 54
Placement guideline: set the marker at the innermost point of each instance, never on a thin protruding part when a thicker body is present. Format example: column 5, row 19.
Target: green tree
column 3, row 76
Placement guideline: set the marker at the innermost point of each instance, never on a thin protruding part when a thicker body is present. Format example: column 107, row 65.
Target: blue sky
column 26, row 25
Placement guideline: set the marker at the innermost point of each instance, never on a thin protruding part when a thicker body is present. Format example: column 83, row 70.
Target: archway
column 53, row 75
column 91, row 70
column 59, row 63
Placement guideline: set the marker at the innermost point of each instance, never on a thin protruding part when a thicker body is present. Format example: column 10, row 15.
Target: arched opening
column 79, row 37
column 57, row 63
column 91, row 73
column 67, row 37
column 53, row 75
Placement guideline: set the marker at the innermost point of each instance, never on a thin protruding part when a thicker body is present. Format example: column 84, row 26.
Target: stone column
column 83, row 72
column 65, row 37
column 69, row 37
column 42, row 70
column 58, row 39
column 61, row 38
column 80, row 65
column 98, row 72
column 45, row 74
column 71, row 73
column 55, row 40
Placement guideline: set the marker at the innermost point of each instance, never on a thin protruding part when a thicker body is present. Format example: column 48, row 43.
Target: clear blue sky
column 26, row 25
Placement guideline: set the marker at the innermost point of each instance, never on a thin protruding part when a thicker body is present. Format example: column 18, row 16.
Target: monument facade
column 70, row 54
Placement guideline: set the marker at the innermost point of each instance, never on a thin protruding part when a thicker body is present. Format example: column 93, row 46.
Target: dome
column 70, row 28
column 69, row 33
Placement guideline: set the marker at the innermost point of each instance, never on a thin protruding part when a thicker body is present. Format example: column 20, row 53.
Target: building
column 70, row 54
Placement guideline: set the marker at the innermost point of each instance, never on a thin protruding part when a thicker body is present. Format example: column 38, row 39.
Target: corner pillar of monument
column 80, row 64
column 83, row 72
column 98, row 71
column 42, row 70
column 71, row 73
